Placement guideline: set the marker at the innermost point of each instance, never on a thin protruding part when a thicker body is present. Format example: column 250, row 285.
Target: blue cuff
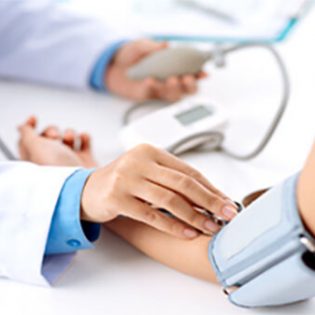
column 67, row 233
column 97, row 77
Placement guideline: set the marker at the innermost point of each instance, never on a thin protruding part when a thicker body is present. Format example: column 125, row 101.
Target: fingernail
column 190, row 233
column 229, row 212
column 211, row 226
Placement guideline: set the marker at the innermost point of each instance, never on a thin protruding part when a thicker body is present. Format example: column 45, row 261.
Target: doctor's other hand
column 116, row 80
column 147, row 179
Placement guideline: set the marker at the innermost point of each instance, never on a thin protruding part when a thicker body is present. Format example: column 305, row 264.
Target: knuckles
column 195, row 174
column 176, row 228
column 126, row 170
column 144, row 149
column 195, row 219
column 216, row 204
column 186, row 183
column 117, row 180
column 135, row 157
column 150, row 216
column 169, row 199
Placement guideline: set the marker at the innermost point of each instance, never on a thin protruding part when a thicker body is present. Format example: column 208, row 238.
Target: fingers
column 27, row 130
column 52, row 132
column 27, row 136
column 191, row 184
column 196, row 193
column 202, row 75
column 85, row 142
column 177, row 205
column 170, row 90
column 170, row 161
column 31, row 121
column 189, row 84
column 70, row 138
column 80, row 142
column 74, row 140
column 173, row 89
column 142, row 212
column 147, row 90
column 147, row 47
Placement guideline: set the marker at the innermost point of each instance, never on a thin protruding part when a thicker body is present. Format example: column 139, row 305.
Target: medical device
column 178, row 128
column 172, row 61
column 191, row 124
column 265, row 256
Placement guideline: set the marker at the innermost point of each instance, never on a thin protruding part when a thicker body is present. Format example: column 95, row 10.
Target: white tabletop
column 116, row 279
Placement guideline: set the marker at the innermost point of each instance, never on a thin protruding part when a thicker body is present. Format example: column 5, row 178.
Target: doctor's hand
column 147, row 179
column 131, row 53
column 136, row 185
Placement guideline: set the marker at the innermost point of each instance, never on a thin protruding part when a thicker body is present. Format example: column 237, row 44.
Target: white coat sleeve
column 28, row 196
column 42, row 41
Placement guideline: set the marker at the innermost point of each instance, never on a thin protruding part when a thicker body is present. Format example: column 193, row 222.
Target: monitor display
column 194, row 114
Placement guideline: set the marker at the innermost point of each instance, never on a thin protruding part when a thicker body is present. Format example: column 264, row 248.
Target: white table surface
column 116, row 279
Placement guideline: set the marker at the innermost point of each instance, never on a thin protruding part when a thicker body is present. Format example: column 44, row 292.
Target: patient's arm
column 190, row 257
column 306, row 192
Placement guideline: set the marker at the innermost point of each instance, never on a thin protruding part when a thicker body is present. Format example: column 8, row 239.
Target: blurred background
column 210, row 18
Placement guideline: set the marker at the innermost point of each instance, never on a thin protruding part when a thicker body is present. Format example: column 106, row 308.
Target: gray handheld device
column 181, row 60
column 170, row 61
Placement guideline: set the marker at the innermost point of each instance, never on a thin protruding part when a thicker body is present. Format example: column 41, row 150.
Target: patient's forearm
column 306, row 192
column 187, row 256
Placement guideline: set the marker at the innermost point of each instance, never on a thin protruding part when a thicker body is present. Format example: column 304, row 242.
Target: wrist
column 109, row 78
column 94, row 204
column 98, row 75
column 86, row 212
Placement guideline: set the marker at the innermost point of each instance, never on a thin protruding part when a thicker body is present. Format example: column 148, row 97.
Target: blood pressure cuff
column 265, row 256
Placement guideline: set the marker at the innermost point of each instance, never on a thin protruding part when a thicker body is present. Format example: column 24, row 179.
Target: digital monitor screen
column 191, row 116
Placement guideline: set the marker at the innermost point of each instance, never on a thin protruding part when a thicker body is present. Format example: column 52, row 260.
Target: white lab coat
column 28, row 195
column 42, row 42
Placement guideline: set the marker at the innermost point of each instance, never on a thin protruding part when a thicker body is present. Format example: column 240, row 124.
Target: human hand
column 51, row 147
column 131, row 53
column 146, row 179
column 135, row 185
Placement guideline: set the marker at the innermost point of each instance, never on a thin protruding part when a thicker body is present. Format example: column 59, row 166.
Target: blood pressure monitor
column 182, row 126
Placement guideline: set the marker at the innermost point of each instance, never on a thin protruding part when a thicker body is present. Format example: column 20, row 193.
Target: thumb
column 27, row 135
column 148, row 47
column 140, row 49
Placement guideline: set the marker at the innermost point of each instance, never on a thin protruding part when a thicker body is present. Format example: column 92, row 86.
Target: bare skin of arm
column 189, row 257
column 306, row 192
